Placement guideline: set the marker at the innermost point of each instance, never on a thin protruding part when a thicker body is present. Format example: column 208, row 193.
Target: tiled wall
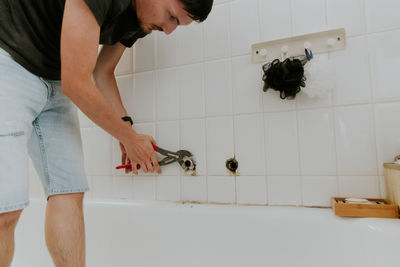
column 196, row 89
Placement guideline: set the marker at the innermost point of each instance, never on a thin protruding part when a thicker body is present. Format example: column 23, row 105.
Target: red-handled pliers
column 184, row 157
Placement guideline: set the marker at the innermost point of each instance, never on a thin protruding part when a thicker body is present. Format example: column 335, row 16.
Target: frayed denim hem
column 14, row 207
column 66, row 191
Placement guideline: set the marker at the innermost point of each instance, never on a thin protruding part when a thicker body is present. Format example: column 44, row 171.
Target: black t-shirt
column 30, row 30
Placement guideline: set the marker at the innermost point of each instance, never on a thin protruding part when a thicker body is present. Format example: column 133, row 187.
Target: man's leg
column 8, row 221
column 65, row 230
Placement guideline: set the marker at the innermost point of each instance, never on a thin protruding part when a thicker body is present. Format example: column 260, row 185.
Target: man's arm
column 104, row 77
column 79, row 48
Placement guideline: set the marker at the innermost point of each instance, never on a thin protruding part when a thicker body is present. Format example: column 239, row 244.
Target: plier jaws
column 170, row 156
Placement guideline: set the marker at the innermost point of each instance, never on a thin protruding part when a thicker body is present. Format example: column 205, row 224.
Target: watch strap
column 127, row 118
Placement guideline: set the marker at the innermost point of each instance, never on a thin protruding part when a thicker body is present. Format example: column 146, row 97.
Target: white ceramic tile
column 385, row 59
column 273, row 102
column 191, row 88
column 194, row 188
column 101, row 152
column 219, row 144
column 167, row 50
column 284, row 190
column 352, row 81
column 144, row 53
column 190, row 43
column 193, row 139
column 388, row 132
column 247, row 85
column 143, row 98
column 282, row 144
column 359, row 186
column 144, row 188
column 102, row 187
column 145, row 128
column 35, row 186
column 221, row 189
column 167, row 137
column 84, row 121
column 245, row 29
column 347, row 14
column 382, row 15
column 216, row 2
column 218, row 88
column 355, row 140
column 308, row 16
column 125, row 64
column 318, row 190
column 86, row 135
column 251, row 190
column 272, row 13
column 125, row 87
column 89, row 194
column 167, row 95
column 317, row 144
column 123, row 187
column 315, row 77
column 216, row 33
column 382, row 184
column 249, row 134
column 169, row 188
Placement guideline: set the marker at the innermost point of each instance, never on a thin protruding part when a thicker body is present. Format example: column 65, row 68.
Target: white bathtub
column 145, row 234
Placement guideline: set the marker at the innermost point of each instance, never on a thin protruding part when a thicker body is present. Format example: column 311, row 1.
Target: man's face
column 161, row 15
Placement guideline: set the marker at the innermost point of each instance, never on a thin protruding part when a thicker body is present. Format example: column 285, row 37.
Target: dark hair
column 198, row 9
column 286, row 77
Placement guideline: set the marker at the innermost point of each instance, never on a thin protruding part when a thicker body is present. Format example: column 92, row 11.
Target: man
column 49, row 64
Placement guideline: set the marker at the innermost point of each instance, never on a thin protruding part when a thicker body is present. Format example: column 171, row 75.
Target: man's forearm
column 107, row 85
column 91, row 101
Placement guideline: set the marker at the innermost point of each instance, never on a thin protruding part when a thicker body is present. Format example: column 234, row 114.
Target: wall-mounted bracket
column 319, row 42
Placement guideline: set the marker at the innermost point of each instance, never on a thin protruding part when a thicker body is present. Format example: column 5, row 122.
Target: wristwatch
column 127, row 118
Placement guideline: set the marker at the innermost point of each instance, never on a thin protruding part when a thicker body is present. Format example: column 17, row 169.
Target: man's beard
column 142, row 26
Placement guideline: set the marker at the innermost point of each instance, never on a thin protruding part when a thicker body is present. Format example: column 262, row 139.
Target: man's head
column 166, row 15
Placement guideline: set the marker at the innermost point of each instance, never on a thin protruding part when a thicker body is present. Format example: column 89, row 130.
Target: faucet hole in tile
column 232, row 164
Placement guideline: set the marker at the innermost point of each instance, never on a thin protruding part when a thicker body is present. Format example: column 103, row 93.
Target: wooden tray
column 382, row 210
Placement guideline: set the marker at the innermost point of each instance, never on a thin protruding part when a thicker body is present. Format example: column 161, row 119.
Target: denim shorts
column 38, row 120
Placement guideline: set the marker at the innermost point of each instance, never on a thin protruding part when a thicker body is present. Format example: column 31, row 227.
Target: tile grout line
column 372, row 94
column 263, row 115
column 233, row 97
column 296, row 107
column 203, row 66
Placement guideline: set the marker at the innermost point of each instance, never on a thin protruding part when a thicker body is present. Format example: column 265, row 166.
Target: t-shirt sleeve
column 100, row 9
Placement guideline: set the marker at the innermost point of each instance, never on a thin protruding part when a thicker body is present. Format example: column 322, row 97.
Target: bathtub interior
column 154, row 234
